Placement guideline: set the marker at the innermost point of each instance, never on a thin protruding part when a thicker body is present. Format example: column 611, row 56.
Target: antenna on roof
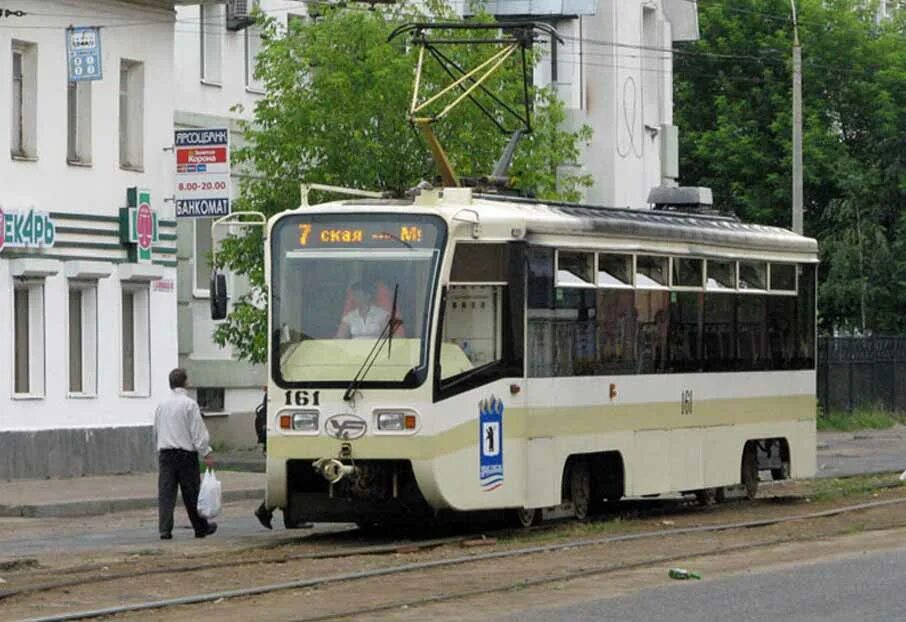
column 515, row 39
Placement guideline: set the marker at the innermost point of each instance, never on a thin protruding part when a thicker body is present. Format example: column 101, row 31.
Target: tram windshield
column 337, row 280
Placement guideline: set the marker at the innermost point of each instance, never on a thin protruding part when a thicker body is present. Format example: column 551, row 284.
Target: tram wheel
column 781, row 473
column 749, row 474
column 580, row 489
column 706, row 496
column 525, row 517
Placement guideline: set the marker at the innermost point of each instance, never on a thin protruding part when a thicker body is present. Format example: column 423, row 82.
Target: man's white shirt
column 370, row 325
column 178, row 424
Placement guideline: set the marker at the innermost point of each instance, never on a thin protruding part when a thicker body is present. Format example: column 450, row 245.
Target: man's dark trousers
column 178, row 467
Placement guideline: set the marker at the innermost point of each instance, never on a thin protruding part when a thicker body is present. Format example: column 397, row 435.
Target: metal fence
column 861, row 371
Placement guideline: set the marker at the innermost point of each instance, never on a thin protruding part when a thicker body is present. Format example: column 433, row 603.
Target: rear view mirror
column 219, row 296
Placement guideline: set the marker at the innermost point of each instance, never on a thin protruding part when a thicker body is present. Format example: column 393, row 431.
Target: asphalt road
column 865, row 587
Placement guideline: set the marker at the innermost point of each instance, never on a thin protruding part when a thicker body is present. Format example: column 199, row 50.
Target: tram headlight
column 305, row 422
column 396, row 422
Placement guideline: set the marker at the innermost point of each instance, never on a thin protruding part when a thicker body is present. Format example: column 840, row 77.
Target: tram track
column 101, row 573
column 358, row 575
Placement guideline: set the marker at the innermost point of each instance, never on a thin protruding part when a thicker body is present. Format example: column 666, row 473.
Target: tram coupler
column 332, row 469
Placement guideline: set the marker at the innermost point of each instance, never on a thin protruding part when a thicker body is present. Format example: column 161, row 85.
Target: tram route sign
column 202, row 172
column 83, row 53
column 490, row 429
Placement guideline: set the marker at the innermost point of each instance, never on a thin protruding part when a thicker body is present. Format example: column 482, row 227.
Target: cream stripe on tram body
column 531, row 356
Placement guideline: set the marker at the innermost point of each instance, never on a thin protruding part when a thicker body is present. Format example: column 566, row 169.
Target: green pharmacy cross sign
column 138, row 225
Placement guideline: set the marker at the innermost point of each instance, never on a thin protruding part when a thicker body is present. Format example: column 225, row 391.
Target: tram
column 457, row 351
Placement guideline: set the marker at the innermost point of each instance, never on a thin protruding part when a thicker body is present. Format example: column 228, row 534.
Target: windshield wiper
column 385, row 336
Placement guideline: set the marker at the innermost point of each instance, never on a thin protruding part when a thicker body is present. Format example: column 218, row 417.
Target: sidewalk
column 87, row 496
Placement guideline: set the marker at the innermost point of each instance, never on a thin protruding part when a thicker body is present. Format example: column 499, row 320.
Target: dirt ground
column 568, row 575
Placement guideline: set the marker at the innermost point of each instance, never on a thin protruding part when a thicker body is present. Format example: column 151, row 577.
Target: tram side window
column 685, row 331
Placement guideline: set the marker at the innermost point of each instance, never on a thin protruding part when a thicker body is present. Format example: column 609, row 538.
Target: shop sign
column 202, row 172
column 26, row 228
column 138, row 225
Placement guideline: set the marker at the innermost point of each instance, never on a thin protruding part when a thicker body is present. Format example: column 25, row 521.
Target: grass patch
column 828, row 489
column 865, row 418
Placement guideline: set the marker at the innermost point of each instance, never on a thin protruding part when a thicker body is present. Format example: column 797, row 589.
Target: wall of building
column 203, row 102
column 55, row 432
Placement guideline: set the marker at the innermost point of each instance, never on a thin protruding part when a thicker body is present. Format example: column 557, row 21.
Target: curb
column 93, row 507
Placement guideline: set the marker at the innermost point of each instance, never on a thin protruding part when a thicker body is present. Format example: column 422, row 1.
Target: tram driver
column 365, row 318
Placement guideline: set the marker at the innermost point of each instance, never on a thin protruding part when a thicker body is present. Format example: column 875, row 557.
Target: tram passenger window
column 684, row 344
column 719, row 328
column 540, row 278
column 651, row 272
column 783, row 277
column 617, row 331
column 806, row 318
column 653, row 309
column 614, row 270
column 751, row 333
column 688, row 272
column 575, row 269
column 753, row 275
column 721, row 275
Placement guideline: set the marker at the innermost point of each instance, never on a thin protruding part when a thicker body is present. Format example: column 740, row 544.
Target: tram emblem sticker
column 490, row 473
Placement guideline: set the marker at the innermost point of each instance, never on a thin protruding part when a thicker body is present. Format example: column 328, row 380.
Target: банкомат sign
column 202, row 173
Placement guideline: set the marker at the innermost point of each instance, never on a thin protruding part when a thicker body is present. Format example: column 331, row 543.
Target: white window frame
column 211, row 30
column 688, row 288
column 24, row 114
column 585, row 285
column 252, row 37
column 89, row 344
column 78, row 122
column 645, row 286
column 629, row 285
column 141, row 340
column 203, row 289
column 131, row 115
column 36, row 340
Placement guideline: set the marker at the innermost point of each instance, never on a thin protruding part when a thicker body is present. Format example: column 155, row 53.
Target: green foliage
column 733, row 105
column 335, row 112
column 864, row 418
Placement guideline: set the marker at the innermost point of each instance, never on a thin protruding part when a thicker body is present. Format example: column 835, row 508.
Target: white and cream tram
column 465, row 352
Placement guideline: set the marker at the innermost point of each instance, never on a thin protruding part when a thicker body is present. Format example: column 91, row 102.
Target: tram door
column 481, row 364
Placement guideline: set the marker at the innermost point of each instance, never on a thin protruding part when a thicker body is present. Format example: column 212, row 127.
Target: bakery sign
column 26, row 228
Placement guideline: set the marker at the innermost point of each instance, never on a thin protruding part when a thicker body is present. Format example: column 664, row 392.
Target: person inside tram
column 366, row 318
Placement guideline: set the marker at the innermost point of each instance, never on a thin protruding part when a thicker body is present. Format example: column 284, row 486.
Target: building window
column 23, row 126
column 83, row 332
column 132, row 86
column 136, row 335
column 210, row 400
column 212, row 24
column 78, row 136
column 202, row 256
column 252, row 48
column 28, row 339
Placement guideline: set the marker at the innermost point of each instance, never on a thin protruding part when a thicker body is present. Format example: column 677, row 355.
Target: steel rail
column 455, row 561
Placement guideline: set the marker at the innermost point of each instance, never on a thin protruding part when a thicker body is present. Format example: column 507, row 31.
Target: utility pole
column 797, row 124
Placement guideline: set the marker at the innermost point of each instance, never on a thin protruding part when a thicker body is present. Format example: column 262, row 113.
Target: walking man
column 181, row 438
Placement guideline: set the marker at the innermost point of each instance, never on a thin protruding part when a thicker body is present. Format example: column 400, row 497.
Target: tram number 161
column 303, row 398
column 686, row 402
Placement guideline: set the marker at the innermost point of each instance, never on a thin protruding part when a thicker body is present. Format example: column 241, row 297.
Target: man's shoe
column 212, row 527
column 166, row 536
column 264, row 516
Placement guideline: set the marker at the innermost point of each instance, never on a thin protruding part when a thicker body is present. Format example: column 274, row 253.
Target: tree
column 733, row 103
column 337, row 94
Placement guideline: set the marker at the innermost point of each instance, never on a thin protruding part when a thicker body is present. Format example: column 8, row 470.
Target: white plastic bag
column 210, row 497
